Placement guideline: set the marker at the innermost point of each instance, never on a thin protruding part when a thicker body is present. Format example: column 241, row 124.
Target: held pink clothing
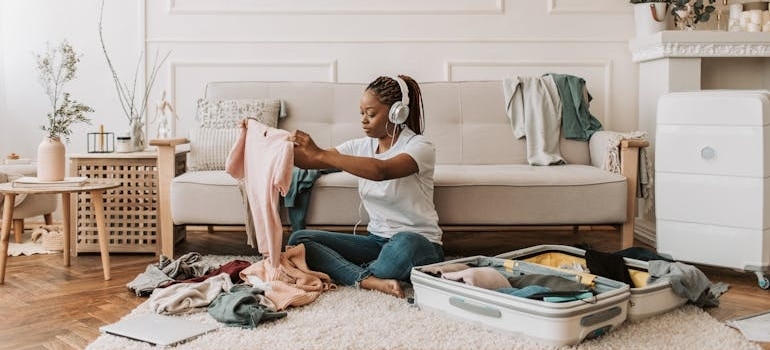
column 264, row 158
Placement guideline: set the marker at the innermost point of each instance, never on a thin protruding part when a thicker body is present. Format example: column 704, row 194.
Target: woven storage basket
column 53, row 240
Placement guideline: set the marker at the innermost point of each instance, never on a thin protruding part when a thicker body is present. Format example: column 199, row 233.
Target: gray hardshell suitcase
column 549, row 323
column 645, row 301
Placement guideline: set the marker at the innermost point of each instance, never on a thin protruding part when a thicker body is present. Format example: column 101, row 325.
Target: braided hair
column 388, row 92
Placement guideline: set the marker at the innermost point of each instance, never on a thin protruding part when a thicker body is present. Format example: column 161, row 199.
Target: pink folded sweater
column 292, row 283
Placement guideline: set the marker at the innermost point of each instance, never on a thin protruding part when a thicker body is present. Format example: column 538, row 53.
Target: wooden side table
column 94, row 188
column 133, row 208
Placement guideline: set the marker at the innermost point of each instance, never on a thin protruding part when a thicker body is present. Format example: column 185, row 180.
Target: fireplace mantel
column 675, row 60
column 699, row 43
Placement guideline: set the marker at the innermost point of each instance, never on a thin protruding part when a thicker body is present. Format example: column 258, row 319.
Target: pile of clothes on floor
column 237, row 293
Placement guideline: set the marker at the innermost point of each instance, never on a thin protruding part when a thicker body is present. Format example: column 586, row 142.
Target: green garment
column 577, row 123
column 241, row 308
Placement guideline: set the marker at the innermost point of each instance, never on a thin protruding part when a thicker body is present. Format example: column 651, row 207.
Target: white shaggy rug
column 350, row 318
column 27, row 248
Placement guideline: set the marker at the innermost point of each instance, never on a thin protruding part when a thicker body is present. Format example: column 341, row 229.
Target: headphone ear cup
column 399, row 112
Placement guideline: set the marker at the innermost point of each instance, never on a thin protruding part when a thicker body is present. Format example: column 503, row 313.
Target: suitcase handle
column 600, row 316
column 480, row 309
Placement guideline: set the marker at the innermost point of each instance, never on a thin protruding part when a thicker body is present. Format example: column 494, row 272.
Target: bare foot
column 392, row 287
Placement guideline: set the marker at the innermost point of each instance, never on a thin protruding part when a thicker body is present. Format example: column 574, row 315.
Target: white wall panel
column 187, row 80
column 368, row 20
column 329, row 40
column 587, row 6
column 358, row 7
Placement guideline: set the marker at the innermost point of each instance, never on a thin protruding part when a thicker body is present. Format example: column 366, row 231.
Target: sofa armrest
column 629, row 167
column 619, row 153
column 166, row 172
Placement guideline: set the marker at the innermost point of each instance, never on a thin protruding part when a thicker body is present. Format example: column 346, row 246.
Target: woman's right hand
column 306, row 152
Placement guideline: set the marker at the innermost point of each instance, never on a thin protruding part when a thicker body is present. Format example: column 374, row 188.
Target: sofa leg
column 48, row 218
column 627, row 235
column 210, row 228
column 575, row 229
column 18, row 229
column 180, row 233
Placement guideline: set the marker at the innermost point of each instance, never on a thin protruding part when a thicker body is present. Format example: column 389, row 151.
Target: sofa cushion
column 518, row 194
column 513, row 194
column 206, row 197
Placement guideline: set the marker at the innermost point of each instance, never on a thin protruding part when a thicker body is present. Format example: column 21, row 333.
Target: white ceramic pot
column 650, row 17
column 50, row 159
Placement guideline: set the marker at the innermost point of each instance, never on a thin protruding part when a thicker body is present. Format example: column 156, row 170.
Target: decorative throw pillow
column 219, row 126
column 209, row 148
column 229, row 113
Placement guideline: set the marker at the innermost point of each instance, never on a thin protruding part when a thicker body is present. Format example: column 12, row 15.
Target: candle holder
column 101, row 142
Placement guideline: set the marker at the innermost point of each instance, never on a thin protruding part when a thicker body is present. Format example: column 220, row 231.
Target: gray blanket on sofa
column 534, row 107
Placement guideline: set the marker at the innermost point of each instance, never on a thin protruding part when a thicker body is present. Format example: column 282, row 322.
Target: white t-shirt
column 403, row 204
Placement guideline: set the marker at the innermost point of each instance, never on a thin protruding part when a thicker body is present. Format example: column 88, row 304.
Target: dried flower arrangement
column 133, row 109
column 57, row 66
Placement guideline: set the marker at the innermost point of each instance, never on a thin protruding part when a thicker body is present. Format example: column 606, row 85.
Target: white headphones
column 399, row 111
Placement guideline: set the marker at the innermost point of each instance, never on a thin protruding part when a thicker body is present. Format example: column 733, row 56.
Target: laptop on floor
column 158, row 329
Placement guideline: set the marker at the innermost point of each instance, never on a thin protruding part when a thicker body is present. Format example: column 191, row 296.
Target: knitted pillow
column 229, row 113
column 219, row 126
column 209, row 148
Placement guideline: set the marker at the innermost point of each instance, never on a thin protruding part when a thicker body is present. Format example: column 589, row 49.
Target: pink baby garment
column 264, row 158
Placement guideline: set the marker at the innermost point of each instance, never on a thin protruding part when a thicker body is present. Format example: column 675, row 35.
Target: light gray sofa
column 482, row 177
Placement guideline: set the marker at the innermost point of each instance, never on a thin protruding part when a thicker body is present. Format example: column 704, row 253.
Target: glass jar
column 123, row 144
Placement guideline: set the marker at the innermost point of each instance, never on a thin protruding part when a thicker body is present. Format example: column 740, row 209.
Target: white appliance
column 712, row 178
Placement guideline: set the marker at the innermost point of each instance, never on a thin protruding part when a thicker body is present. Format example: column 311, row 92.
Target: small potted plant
column 687, row 13
column 650, row 16
column 57, row 66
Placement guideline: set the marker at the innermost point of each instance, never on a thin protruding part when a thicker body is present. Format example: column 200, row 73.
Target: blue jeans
column 348, row 258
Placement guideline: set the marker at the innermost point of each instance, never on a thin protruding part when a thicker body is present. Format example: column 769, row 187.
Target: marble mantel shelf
column 699, row 43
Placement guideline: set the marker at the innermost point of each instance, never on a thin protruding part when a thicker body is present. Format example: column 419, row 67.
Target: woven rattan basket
column 53, row 240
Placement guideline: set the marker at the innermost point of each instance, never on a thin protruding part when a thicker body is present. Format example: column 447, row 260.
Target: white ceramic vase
column 650, row 17
column 51, row 159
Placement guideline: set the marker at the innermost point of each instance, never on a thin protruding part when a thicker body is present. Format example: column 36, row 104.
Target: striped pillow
column 209, row 148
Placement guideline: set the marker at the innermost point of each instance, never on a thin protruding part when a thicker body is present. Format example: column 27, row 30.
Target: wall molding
column 422, row 40
column 605, row 65
column 336, row 7
column 561, row 7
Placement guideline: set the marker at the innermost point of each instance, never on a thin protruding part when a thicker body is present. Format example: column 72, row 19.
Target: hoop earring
column 386, row 129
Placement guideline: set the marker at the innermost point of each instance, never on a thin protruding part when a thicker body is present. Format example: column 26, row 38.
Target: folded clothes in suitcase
column 550, row 323
column 646, row 299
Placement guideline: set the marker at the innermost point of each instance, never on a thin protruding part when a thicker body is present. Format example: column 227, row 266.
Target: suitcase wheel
column 762, row 280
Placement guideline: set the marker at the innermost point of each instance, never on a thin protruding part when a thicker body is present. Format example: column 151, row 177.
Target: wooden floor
column 44, row 305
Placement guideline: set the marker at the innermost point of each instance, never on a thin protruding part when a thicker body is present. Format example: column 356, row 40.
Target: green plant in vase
column 56, row 67
column 688, row 13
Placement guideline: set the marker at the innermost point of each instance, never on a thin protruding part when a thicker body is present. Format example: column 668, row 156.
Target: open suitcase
column 645, row 301
column 549, row 323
